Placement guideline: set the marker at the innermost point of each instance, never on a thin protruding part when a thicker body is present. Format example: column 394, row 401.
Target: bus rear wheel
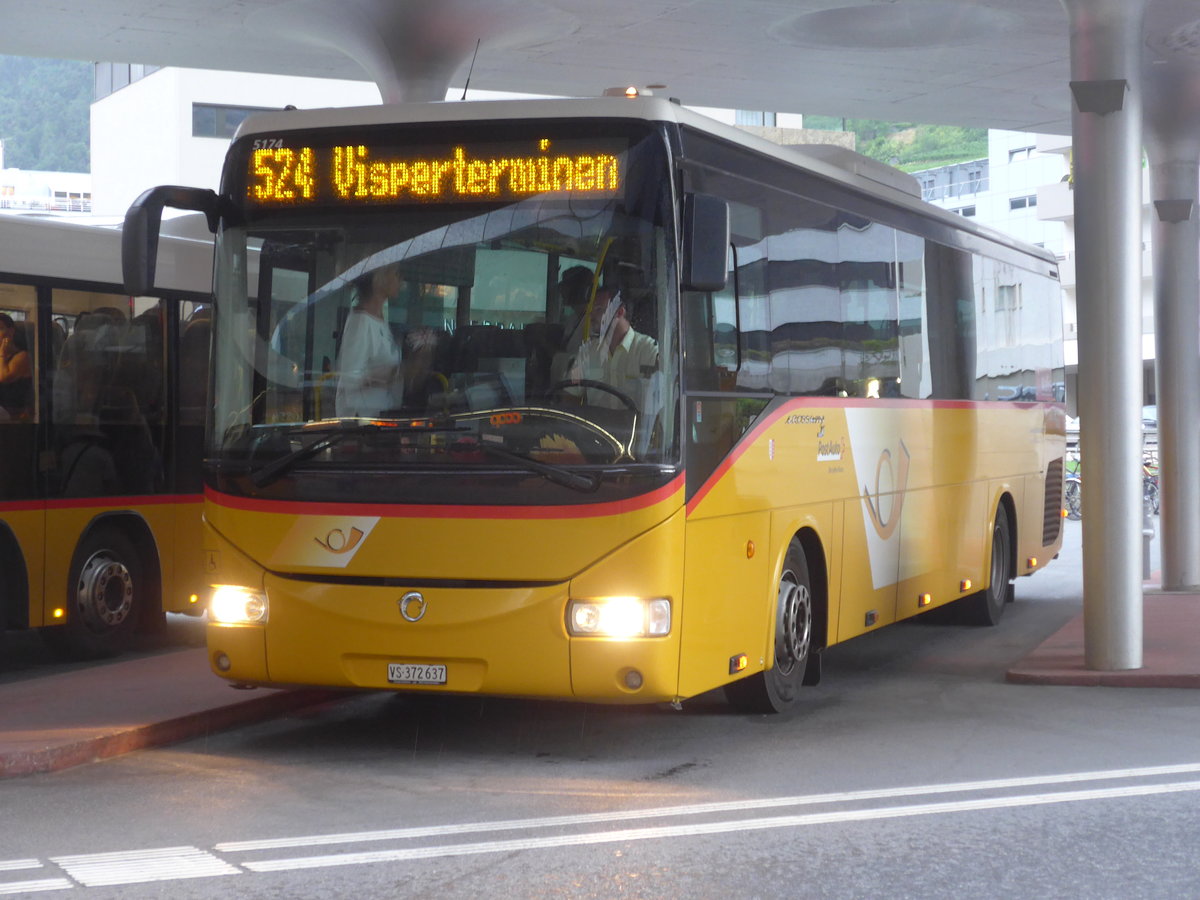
column 776, row 689
column 987, row 606
column 104, row 597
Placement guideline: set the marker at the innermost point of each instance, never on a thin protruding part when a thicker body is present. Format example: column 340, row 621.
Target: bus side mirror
column 139, row 235
column 705, row 242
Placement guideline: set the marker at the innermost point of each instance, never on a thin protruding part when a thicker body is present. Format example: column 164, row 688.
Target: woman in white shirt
column 369, row 378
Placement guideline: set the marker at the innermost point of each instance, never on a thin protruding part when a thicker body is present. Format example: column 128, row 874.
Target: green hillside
column 44, row 106
column 907, row 146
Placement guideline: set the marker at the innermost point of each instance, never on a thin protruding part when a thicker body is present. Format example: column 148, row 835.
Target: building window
column 754, row 117
column 111, row 77
column 216, row 120
column 967, row 211
column 1021, row 153
column 1008, row 310
column 72, row 201
column 1029, row 200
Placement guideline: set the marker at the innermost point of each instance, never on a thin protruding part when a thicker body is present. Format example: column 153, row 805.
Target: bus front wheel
column 776, row 688
column 104, row 597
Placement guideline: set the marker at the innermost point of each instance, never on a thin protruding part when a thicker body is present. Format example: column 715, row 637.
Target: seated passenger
column 573, row 291
column 16, row 371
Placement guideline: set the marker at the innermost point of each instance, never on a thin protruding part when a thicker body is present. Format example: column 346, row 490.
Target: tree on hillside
column 44, row 108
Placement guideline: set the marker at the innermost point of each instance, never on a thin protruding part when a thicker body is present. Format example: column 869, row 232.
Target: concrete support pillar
column 412, row 49
column 1106, row 38
column 1173, row 146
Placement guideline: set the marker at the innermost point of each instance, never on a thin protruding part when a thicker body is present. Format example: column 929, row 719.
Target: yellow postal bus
column 100, row 435
column 603, row 400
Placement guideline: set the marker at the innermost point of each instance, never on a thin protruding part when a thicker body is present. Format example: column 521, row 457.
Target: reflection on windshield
column 536, row 335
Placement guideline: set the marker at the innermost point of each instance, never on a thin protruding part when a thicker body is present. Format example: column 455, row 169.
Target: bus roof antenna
column 471, row 69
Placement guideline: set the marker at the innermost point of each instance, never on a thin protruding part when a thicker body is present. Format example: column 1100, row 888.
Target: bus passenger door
column 22, row 500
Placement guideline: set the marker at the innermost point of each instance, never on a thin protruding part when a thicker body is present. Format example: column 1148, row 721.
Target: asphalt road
column 913, row 770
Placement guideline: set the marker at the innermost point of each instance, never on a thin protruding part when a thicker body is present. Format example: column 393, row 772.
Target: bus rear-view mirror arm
column 705, row 242
column 139, row 236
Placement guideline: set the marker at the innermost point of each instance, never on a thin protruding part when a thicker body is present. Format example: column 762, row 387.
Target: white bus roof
column 78, row 250
column 840, row 168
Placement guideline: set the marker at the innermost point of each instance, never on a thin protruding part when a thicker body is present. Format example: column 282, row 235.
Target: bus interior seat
column 542, row 341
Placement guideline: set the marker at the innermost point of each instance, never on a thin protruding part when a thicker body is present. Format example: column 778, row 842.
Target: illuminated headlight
column 620, row 617
column 233, row 605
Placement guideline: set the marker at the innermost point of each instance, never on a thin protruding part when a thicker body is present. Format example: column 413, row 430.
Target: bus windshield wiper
column 334, row 431
column 574, row 480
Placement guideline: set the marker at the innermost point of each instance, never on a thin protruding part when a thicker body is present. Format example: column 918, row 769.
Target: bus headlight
column 619, row 617
column 234, row 605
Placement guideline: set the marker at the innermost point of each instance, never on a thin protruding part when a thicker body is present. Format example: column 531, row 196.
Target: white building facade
column 1025, row 192
column 172, row 126
column 25, row 190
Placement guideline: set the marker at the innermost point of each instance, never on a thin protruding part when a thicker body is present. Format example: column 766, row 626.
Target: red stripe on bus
column 58, row 503
column 840, row 403
column 429, row 511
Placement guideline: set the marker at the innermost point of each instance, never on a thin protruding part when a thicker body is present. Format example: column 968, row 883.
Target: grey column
column 1107, row 152
column 1173, row 146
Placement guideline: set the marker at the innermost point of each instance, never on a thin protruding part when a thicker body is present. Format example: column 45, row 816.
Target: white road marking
column 139, row 866
column 675, row 831
column 174, row 863
column 30, row 887
column 701, row 809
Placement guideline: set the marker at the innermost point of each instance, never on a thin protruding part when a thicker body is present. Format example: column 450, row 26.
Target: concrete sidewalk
column 1170, row 649
column 63, row 720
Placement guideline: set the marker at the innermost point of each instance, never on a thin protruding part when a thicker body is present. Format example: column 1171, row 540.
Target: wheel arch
column 806, row 527
column 135, row 528
column 818, row 573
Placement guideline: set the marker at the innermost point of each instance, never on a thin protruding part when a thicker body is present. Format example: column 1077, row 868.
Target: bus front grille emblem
column 412, row 606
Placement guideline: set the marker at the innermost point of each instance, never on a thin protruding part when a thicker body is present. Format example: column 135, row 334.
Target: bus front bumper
column 499, row 641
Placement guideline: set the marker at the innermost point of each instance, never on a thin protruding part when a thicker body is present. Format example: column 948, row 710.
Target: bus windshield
column 530, row 337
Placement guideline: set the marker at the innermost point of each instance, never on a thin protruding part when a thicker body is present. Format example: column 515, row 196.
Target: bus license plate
column 416, row 673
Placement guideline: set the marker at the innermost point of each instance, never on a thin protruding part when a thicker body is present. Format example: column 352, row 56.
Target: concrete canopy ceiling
column 994, row 63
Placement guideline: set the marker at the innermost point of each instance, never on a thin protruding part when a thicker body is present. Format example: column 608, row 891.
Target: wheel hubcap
column 795, row 624
column 104, row 592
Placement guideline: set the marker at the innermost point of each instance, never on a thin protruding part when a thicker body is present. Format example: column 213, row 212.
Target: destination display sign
column 282, row 174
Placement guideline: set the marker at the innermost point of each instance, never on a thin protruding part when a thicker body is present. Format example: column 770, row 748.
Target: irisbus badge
column 413, row 606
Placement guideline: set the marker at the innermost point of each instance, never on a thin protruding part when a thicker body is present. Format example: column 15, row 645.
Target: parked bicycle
column 1150, row 490
column 1073, row 487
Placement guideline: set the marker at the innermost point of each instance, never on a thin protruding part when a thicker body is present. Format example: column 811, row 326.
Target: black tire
column 987, row 606
column 776, row 689
column 105, row 598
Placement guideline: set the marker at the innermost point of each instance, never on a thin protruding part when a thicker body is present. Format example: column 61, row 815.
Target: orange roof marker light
column 631, row 92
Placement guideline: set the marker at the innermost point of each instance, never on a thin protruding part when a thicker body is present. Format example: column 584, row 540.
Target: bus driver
column 625, row 359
